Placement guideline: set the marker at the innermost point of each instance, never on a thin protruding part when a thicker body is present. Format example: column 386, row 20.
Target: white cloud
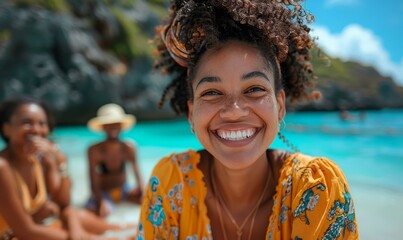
column 330, row 3
column 359, row 44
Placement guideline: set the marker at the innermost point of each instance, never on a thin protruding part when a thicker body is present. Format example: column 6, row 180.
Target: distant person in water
column 344, row 115
column 347, row 116
column 34, row 181
column 107, row 161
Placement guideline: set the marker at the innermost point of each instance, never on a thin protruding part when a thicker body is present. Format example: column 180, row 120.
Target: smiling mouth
column 236, row 135
column 32, row 137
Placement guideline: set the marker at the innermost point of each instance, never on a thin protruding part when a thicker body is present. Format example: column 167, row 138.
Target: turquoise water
column 369, row 151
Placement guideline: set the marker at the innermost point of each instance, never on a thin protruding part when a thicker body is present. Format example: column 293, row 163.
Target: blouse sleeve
column 159, row 216
column 322, row 207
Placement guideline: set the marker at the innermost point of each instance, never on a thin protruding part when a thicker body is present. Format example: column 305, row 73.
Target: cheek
column 202, row 113
column 267, row 104
column 267, row 109
column 44, row 128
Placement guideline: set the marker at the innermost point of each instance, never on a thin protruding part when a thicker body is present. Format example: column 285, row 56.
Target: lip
column 32, row 137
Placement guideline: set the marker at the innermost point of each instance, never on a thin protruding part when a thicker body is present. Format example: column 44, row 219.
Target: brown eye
column 255, row 89
column 210, row 93
column 26, row 122
column 43, row 124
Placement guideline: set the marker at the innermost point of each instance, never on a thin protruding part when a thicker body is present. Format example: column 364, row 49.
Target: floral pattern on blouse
column 307, row 202
column 312, row 201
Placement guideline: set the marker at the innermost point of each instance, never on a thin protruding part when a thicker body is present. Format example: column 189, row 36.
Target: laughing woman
column 234, row 64
column 34, row 181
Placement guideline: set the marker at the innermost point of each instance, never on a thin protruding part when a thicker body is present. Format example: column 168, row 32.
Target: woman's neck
column 16, row 155
column 112, row 140
column 241, row 188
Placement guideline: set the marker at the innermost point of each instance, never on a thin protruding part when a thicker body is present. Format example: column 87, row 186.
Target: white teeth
column 236, row 135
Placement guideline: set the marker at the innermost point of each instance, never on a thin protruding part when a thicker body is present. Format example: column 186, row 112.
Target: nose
column 234, row 108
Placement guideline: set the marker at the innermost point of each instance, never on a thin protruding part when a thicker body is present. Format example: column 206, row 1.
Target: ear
column 190, row 112
column 281, row 105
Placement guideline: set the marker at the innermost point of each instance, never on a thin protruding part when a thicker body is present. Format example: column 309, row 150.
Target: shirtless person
column 107, row 161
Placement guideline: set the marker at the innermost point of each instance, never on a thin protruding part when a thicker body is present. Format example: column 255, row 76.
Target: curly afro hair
column 277, row 27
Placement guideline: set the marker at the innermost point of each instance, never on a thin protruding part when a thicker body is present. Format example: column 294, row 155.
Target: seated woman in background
column 34, row 181
column 234, row 63
column 107, row 161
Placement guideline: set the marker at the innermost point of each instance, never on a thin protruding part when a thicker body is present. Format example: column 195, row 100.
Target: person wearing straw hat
column 107, row 161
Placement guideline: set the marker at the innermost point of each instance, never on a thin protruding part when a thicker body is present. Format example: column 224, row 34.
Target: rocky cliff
column 78, row 55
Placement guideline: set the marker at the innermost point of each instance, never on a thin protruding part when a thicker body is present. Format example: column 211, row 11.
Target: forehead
column 115, row 124
column 28, row 110
column 233, row 55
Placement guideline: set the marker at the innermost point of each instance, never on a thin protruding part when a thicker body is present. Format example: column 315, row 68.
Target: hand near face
column 42, row 149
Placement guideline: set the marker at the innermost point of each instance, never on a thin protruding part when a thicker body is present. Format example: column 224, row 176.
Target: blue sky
column 367, row 31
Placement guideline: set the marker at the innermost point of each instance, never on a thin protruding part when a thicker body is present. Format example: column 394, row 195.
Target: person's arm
column 63, row 195
column 57, row 178
column 13, row 212
column 132, row 155
column 93, row 156
column 54, row 162
column 158, row 218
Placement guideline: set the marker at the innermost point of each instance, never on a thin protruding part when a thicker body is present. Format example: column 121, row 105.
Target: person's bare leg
column 94, row 224
column 134, row 196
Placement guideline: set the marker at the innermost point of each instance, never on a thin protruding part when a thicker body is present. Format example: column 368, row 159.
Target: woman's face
column 235, row 112
column 112, row 130
column 27, row 122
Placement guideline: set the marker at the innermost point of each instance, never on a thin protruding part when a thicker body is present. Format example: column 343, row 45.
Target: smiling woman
column 34, row 181
column 239, row 108
column 234, row 64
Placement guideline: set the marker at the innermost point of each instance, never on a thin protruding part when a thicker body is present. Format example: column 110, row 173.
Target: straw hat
column 111, row 113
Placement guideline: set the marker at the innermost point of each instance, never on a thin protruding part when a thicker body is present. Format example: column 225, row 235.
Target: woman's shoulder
column 298, row 160
column 315, row 163
column 96, row 146
column 5, row 170
column 3, row 162
column 309, row 168
column 305, row 170
column 176, row 169
column 183, row 161
column 130, row 143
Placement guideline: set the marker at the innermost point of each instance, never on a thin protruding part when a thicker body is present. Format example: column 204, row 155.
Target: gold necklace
column 221, row 202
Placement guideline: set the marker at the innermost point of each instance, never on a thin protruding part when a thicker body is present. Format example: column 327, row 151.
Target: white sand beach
column 379, row 212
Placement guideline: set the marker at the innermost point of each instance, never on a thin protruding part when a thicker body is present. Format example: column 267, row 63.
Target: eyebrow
column 255, row 74
column 244, row 77
column 208, row 80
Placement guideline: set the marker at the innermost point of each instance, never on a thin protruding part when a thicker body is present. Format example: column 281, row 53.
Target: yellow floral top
column 312, row 201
